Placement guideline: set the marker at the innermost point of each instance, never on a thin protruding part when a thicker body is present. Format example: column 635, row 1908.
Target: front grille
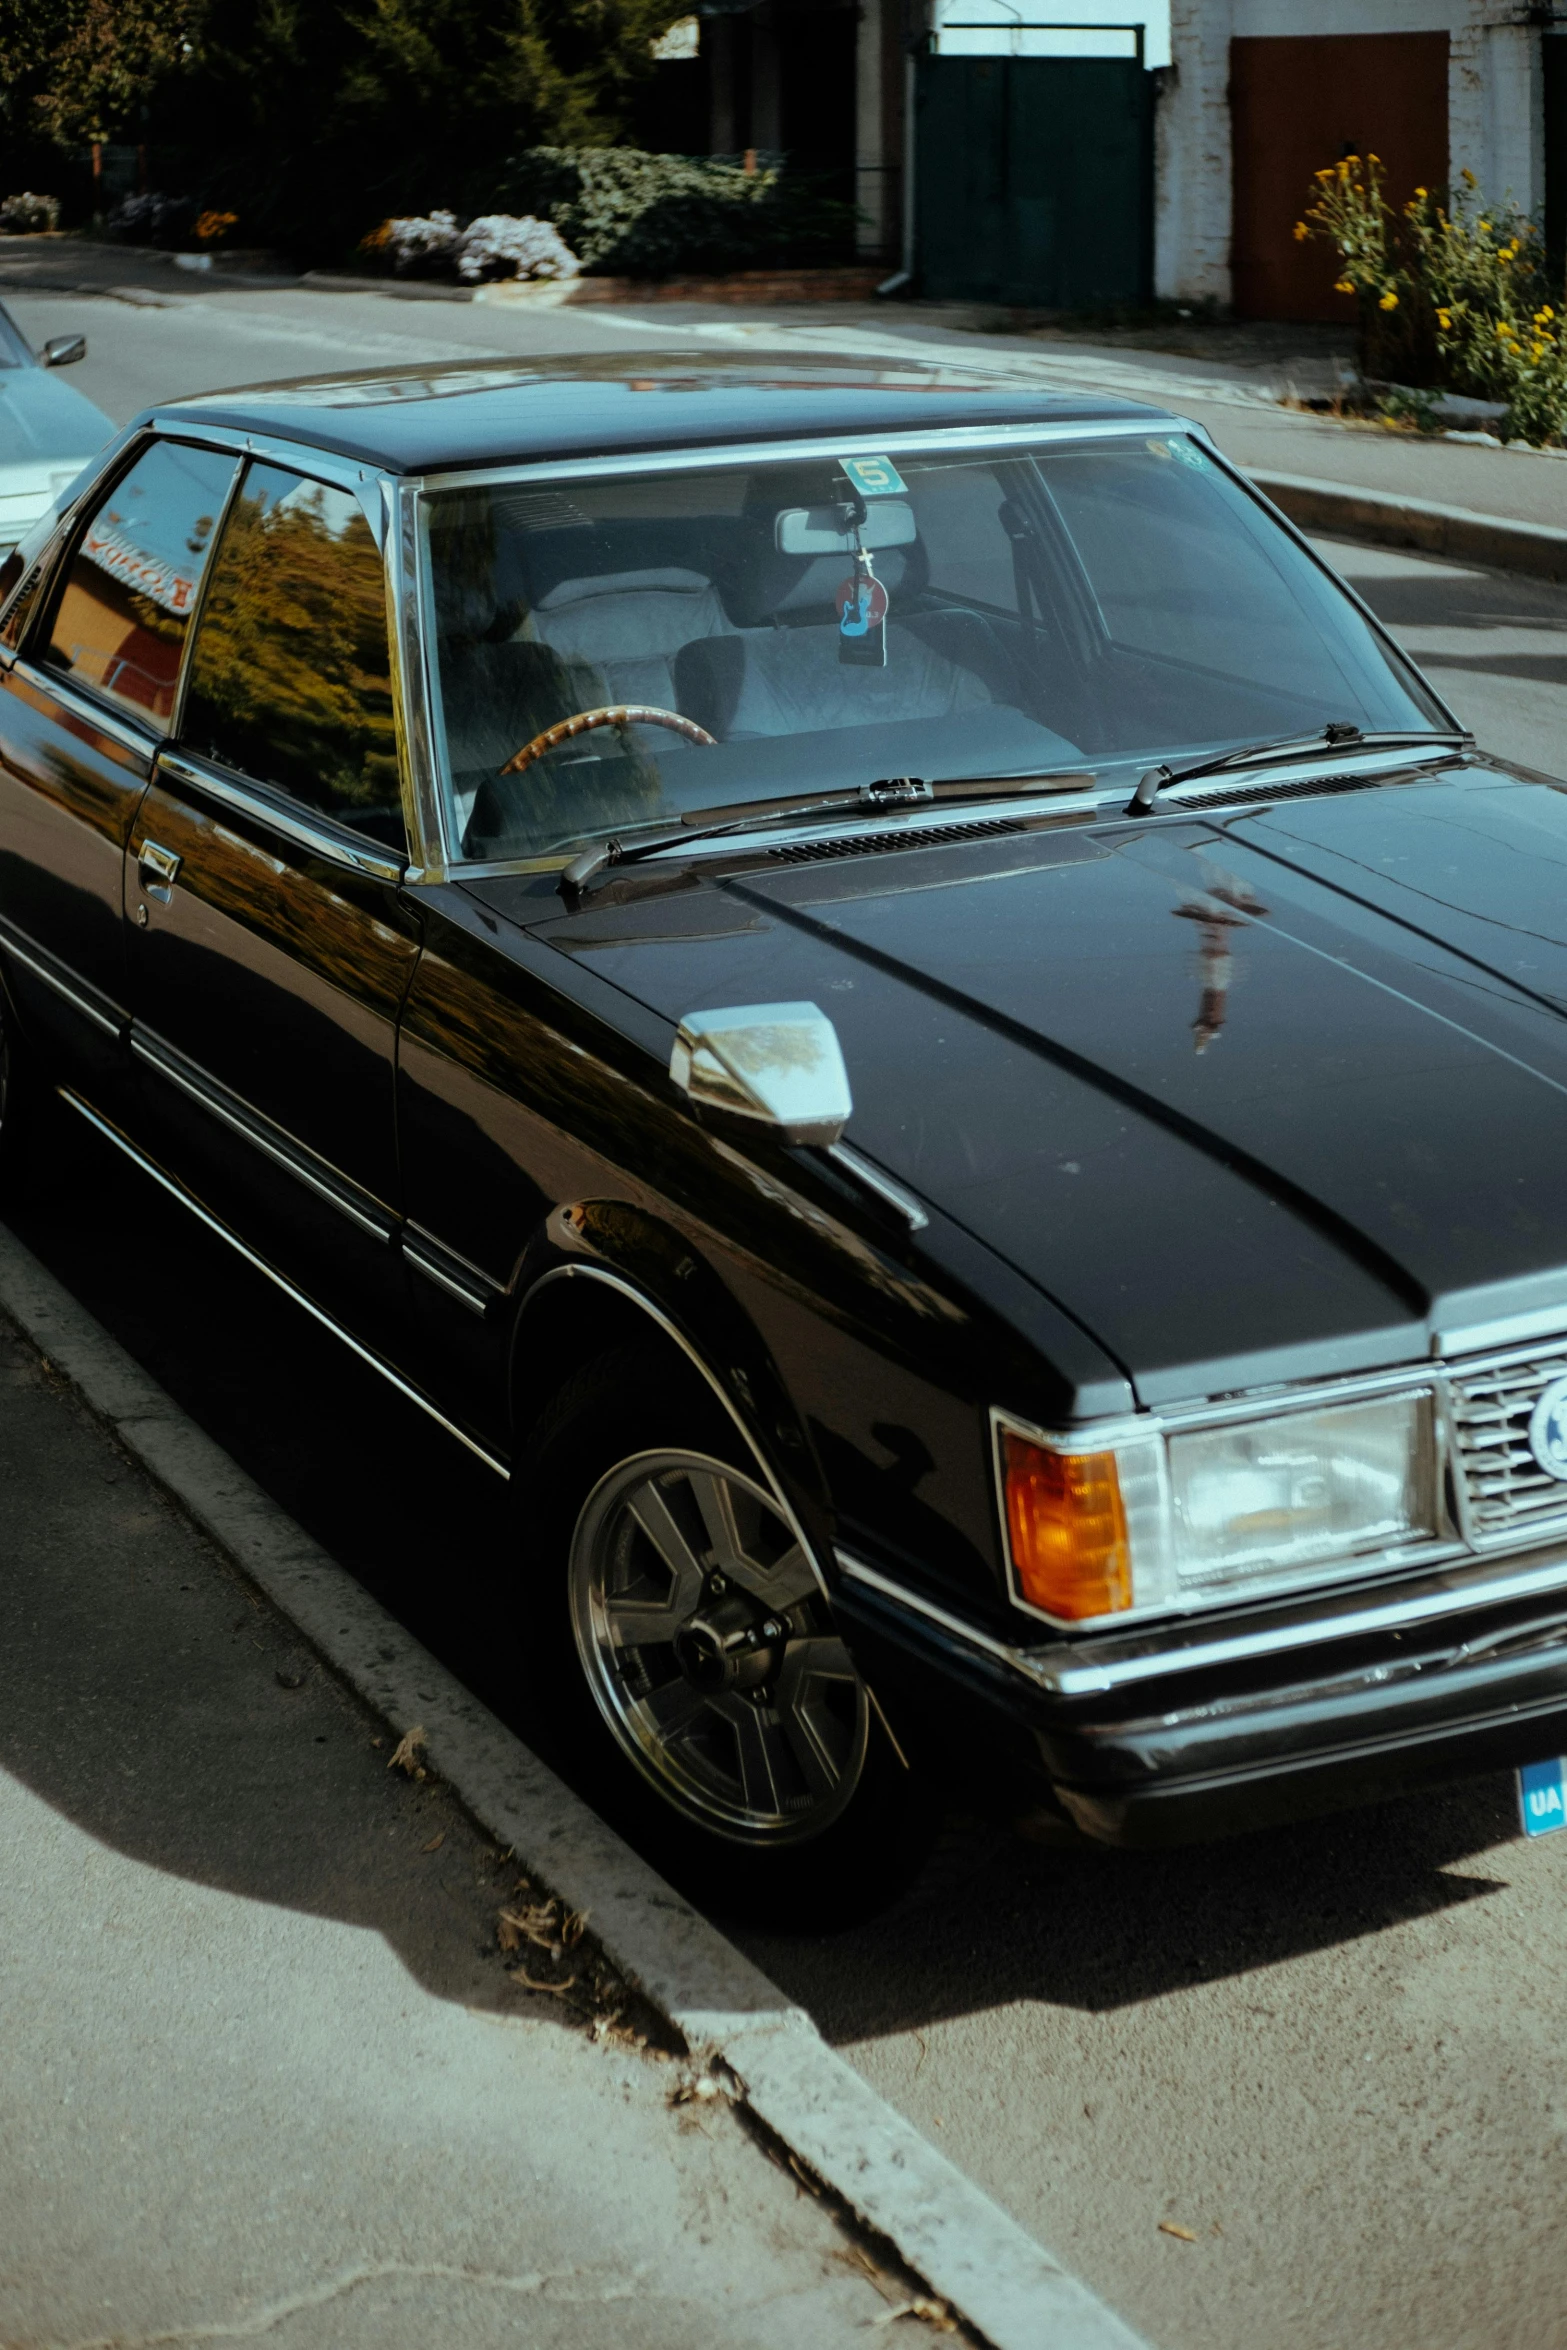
column 870, row 844
column 1507, row 1490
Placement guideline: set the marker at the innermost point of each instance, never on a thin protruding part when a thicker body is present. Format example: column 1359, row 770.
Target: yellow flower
column 1389, row 300
column 1373, row 158
column 1542, row 316
column 1343, row 287
column 1485, row 224
column 1444, row 319
column 1420, row 195
column 1538, row 353
column 1302, row 232
column 1468, row 178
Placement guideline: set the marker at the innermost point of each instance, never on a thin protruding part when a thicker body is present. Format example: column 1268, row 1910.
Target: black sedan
column 888, row 998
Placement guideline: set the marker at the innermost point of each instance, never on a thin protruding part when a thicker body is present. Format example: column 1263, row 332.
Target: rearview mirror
column 779, row 1064
column 64, row 350
column 818, row 530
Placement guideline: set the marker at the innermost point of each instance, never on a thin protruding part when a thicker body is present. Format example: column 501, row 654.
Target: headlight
column 1184, row 1519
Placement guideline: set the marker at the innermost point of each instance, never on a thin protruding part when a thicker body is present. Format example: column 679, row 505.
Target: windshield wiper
column 897, row 792
column 1338, row 737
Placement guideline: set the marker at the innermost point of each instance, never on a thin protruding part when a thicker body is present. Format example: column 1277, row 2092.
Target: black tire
column 696, row 1684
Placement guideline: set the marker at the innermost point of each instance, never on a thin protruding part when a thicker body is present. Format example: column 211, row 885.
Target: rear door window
column 124, row 610
column 291, row 673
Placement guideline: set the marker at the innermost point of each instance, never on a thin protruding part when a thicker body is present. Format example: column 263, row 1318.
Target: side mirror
column 818, row 530
column 779, row 1064
column 64, row 350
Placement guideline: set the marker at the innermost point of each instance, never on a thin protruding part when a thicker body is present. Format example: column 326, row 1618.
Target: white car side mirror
column 780, row 1064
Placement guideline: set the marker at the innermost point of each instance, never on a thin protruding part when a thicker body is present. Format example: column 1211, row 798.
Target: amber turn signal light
column 1067, row 1525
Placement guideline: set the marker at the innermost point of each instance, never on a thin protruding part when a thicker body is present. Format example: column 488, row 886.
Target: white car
column 48, row 431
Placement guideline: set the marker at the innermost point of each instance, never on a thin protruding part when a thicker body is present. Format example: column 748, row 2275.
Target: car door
column 83, row 708
column 270, row 942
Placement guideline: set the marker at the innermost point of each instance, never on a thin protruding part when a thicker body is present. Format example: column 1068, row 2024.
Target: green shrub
column 1453, row 295
column 629, row 214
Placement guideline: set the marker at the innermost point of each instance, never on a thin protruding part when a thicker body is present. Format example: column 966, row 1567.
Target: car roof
column 495, row 412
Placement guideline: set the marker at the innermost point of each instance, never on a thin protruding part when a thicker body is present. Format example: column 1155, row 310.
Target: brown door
column 1297, row 103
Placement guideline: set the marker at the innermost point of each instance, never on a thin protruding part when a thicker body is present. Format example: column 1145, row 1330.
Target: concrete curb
column 950, row 2233
column 1451, row 531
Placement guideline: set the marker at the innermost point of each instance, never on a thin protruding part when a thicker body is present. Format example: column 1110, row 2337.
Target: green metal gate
column 1034, row 180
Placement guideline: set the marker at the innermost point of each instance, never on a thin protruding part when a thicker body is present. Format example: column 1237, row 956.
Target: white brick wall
column 1495, row 114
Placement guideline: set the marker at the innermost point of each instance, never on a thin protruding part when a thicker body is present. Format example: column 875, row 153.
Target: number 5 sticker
column 873, row 477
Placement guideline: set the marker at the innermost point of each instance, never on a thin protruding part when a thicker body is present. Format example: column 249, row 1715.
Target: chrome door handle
column 157, row 870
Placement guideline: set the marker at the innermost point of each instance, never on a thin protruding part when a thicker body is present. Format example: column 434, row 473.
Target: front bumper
column 1210, row 1727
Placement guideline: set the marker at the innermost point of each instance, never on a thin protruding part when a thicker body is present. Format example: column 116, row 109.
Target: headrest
column 620, row 583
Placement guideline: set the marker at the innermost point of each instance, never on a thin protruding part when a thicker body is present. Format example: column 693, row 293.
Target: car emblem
column 1548, row 1430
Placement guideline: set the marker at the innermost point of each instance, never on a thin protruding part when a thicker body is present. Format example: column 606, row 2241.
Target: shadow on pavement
column 155, row 1701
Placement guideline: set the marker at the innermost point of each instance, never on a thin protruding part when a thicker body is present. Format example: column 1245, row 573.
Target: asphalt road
column 1332, row 2054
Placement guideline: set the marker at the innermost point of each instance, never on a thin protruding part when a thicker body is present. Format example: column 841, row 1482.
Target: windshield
column 802, row 627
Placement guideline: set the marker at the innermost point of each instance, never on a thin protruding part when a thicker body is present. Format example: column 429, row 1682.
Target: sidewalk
column 265, row 2070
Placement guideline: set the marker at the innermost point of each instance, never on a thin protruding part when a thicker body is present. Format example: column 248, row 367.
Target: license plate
column 1542, row 1796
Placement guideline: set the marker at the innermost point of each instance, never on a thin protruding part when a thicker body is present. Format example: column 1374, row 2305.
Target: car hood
column 1256, row 1099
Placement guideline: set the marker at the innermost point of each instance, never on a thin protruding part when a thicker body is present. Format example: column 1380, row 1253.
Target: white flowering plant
column 497, row 244
column 28, row 215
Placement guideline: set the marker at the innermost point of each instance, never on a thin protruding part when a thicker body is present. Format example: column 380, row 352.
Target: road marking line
column 947, row 2230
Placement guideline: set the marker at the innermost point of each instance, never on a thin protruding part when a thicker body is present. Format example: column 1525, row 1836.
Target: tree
column 76, row 70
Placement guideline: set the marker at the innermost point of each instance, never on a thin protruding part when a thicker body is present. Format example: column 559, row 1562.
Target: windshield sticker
column 1189, row 455
column 874, row 477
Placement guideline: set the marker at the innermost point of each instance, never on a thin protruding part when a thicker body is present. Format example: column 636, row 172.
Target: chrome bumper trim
column 1086, row 1668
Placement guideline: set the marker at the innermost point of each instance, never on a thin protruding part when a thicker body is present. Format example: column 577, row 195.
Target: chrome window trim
column 1092, row 1666
column 274, row 1142
column 672, row 1331
column 702, row 457
column 105, row 716
column 346, row 473
column 416, row 685
column 291, row 820
column 21, row 949
column 269, row 1272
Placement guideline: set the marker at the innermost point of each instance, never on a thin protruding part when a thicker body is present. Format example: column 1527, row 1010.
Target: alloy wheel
column 709, row 1651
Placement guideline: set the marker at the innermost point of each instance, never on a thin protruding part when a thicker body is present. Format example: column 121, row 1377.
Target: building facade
column 1261, row 93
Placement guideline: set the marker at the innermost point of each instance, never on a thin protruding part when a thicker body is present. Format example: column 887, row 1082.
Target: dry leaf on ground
column 436, row 1841
column 405, row 1754
column 1169, row 2227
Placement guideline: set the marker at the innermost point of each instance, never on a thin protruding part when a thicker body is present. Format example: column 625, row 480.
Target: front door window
column 290, row 679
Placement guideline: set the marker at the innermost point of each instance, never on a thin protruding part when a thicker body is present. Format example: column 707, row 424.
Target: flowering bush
column 153, row 219
column 211, row 227
column 497, row 244
column 1453, row 295
column 28, row 215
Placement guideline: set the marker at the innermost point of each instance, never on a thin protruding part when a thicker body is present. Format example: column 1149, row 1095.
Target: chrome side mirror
column 64, row 350
column 779, row 1064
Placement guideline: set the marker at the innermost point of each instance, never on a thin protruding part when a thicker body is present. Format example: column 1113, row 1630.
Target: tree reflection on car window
column 291, row 672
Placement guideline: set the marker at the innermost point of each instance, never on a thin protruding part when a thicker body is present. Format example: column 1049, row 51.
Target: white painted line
column 950, row 2233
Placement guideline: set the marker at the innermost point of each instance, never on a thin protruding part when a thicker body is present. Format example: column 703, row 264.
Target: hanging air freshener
column 862, row 617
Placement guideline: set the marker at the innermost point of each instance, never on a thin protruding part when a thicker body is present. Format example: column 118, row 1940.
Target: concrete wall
column 1495, row 113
